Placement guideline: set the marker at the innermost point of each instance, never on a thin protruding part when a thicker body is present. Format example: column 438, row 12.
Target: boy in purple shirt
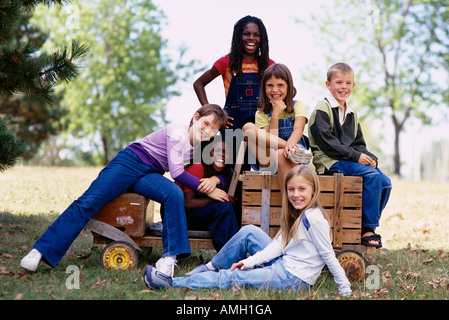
column 140, row 168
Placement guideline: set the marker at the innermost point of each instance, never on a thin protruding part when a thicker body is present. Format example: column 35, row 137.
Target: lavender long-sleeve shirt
column 167, row 150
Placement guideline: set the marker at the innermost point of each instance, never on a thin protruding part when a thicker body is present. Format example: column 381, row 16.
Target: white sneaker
column 31, row 260
column 301, row 156
column 166, row 265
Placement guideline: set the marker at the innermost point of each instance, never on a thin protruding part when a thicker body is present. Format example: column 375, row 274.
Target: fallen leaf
column 18, row 296
column 147, row 291
column 386, row 279
column 442, row 255
column 409, row 274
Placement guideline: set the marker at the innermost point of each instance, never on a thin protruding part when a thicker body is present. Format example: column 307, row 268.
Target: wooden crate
column 340, row 195
column 126, row 213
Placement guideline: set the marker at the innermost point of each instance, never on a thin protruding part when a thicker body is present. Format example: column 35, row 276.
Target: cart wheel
column 119, row 255
column 353, row 263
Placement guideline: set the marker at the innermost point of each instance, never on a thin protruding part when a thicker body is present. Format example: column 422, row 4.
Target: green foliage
column 11, row 147
column 126, row 82
column 28, row 76
column 396, row 49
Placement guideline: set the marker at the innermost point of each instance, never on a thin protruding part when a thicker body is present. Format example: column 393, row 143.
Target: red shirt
column 195, row 169
column 222, row 65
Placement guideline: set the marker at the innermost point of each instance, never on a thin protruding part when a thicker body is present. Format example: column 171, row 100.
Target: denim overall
column 242, row 99
column 241, row 105
column 284, row 132
column 286, row 129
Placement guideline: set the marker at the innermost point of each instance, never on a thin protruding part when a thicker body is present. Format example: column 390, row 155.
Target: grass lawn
column 413, row 264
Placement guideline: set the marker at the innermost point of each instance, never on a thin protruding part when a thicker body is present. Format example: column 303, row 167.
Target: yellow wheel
column 353, row 263
column 119, row 255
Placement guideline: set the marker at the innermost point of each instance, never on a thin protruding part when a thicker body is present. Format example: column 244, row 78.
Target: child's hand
column 290, row 148
column 207, row 184
column 278, row 107
column 367, row 160
column 219, row 195
column 229, row 123
column 239, row 265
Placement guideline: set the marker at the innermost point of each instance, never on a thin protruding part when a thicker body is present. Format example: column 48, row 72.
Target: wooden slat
column 126, row 212
column 237, row 168
column 251, row 215
column 265, row 204
column 337, row 224
column 253, row 180
column 350, row 184
column 348, row 200
column 255, row 198
column 351, row 218
column 153, row 241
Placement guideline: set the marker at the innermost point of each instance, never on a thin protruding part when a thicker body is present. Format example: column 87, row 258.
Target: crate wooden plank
column 349, row 200
column 254, row 197
column 195, row 243
column 266, row 203
column 251, row 215
column 350, row 184
column 351, row 218
column 253, row 180
column 154, row 241
column 126, row 213
column 337, row 223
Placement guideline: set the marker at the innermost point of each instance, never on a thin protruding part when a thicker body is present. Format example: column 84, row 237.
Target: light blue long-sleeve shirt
column 306, row 258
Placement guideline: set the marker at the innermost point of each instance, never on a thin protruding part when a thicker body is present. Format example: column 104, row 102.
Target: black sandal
column 376, row 237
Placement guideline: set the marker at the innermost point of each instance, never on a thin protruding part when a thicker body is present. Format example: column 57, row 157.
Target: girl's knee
column 251, row 230
column 249, row 126
column 174, row 193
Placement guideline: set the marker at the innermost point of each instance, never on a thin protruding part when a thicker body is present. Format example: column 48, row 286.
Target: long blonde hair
column 291, row 218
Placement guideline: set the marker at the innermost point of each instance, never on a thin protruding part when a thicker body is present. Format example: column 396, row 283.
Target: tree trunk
column 397, row 155
column 104, row 140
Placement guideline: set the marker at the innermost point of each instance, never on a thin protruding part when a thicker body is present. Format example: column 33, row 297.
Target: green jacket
column 330, row 141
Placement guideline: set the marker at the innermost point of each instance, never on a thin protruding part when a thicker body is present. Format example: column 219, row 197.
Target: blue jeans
column 218, row 217
column 120, row 174
column 250, row 239
column 175, row 240
column 376, row 189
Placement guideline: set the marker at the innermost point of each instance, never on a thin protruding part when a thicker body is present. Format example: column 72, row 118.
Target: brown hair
column 278, row 71
column 220, row 115
column 338, row 67
column 291, row 218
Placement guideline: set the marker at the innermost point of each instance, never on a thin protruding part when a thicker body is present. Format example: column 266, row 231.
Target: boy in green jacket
column 337, row 143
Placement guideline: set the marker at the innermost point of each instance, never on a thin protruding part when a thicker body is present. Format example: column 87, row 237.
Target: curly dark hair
column 237, row 47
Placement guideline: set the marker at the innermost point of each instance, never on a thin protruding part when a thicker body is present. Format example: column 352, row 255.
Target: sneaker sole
column 148, row 278
column 301, row 156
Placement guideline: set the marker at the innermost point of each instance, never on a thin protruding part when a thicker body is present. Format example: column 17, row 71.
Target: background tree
column 120, row 95
column 27, row 73
column 31, row 120
column 396, row 48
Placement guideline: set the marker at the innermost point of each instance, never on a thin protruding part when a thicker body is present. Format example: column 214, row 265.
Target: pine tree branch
column 11, row 148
